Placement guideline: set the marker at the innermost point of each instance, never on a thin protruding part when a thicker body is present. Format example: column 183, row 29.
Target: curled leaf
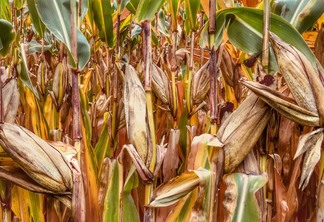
column 283, row 105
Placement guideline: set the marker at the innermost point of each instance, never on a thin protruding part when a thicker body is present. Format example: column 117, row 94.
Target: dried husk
column 200, row 84
column 135, row 112
column 284, row 105
column 291, row 63
column 160, row 84
column 42, row 162
column 241, row 130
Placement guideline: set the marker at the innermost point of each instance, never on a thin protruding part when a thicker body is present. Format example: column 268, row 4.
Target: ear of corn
column 291, row 64
column 45, row 164
column 242, row 129
column 135, row 111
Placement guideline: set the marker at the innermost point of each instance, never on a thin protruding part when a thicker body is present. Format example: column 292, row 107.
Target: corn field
column 164, row 110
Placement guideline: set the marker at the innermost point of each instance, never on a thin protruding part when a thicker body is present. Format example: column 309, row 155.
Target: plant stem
column 147, row 55
column 75, row 81
column 78, row 211
column 212, row 69
column 1, row 101
column 265, row 40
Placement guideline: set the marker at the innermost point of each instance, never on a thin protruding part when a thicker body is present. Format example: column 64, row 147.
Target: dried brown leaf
column 283, row 104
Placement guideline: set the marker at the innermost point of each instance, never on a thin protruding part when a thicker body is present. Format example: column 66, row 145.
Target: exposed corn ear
column 200, row 84
column 283, row 105
column 42, row 162
column 291, row 63
column 135, row 112
column 160, row 84
column 241, row 130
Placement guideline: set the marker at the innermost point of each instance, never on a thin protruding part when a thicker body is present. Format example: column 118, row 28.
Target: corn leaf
column 191, row 9
column 33, row 207
column 301, row 14
column 7, row 35
column 244, row 30
column 56, row 17
column 240, row 203
column 113, row 194
column 174, row 8
column 102, row 14
column 130, row 212
column 132, row 5
column 5, row 10
column 102, row 148
column 146, row 9
column 37, row 22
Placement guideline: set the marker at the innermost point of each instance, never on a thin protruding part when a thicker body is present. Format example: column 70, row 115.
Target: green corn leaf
column 7, row 36
column 113, row 194
column 5, row 10
column 240, row 203
column 146, row 9
column 102, row 14
column 102, row 148
column 132, row 6
column 301, row 14
column 23, row 72
column 244, row 29
column 37, row 22
column 130, row 212
column 56, row 17
column 174, row 9
column 19, row 4
column 191, row 10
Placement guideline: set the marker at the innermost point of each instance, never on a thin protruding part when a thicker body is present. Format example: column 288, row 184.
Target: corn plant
column 175, row 110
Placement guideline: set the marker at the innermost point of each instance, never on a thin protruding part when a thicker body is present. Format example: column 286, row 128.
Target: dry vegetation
column 164, row 110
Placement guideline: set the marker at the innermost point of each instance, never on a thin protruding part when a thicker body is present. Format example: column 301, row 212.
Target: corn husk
column 200, row 84
column 135, row 112
column 284, row 105
column 42, row 162
column 161, row 84
column 241, row 130
column 291, row 63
